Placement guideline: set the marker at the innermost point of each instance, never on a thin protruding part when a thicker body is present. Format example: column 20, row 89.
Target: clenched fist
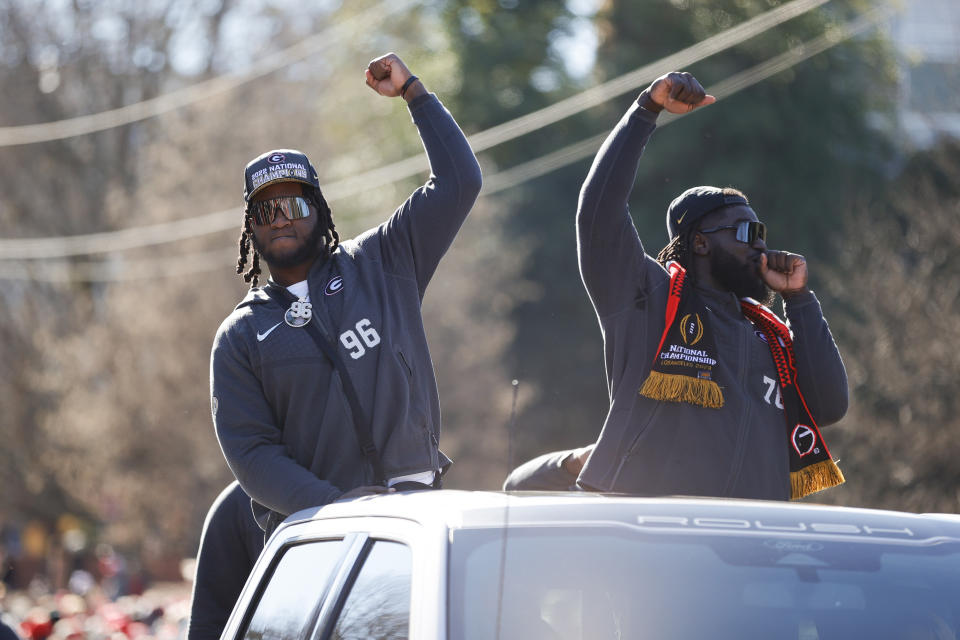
column 677, row 92
column 784, row 272
column 387, row 74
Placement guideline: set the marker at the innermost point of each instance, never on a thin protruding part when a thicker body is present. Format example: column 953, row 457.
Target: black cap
column 696, row 202
column 279, row 165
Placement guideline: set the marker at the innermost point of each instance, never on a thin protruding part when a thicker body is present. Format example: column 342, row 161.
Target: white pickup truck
column 580, row 566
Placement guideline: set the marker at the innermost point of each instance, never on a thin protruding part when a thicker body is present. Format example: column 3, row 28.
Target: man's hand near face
column 784, row 272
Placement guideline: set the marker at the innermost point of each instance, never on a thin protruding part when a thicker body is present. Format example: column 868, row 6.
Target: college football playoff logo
column 691, row 328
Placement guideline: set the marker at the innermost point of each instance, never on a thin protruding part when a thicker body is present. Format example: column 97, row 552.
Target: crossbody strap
column 361, row 425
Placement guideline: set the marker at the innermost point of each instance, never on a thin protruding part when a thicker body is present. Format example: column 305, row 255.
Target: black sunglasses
column 747, row 231
column 293, row 207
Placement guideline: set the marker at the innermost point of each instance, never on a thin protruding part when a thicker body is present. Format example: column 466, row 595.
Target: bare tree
column 106, row 399
column 897, row 286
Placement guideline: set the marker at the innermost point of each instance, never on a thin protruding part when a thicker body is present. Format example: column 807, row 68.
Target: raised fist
column 677, row 92
column 387, row 74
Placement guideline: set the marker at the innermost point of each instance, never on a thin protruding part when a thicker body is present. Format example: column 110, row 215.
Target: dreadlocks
column 677, row 249
column 246, row 239
column 331, row 239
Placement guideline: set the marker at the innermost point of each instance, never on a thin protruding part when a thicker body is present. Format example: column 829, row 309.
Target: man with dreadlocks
column 710, row 393
column 322, row 385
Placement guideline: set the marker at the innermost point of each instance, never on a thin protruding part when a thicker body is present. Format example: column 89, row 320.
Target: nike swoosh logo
column 680, row 219
column 263, row 336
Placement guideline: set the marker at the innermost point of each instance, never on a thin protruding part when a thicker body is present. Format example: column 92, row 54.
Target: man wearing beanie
column 711, row 393
column 322, row 386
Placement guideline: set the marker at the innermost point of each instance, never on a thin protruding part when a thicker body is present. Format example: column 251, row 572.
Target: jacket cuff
column 637, row 111
column 419, row 101
column 796, row 304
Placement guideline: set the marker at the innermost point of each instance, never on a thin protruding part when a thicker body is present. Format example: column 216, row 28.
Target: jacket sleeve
column 415, row 237
column 607, row 240
column 6, row 633
column 250, row 438
column 544, row 473
column 820, row 371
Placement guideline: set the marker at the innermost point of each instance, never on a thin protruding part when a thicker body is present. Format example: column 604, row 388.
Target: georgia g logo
column 276, row 158
column 334, row 286
column 803, row 439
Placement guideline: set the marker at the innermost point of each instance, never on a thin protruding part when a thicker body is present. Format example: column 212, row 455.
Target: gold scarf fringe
column 817, row 477
column 679, row 388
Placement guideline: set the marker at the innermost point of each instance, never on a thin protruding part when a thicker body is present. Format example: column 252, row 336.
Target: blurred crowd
column 81, row 594
column 159, row 612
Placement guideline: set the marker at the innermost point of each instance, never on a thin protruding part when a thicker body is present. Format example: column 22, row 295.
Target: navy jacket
column 281, row 416
column 655, row 448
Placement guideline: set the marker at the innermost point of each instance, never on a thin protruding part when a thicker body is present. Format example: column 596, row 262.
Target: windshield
column 613, row 581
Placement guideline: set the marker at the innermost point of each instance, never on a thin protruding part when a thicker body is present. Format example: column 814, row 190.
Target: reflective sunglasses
column 293, row 207
column 747, row 231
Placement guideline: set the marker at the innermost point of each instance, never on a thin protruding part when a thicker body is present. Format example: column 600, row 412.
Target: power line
column 156, row 234
column 595, row 95
column 80, row 125
column 120, row 270
column 644, row 75
column 735, row 83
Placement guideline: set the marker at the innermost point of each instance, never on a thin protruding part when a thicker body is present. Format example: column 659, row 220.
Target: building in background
column 926, row 34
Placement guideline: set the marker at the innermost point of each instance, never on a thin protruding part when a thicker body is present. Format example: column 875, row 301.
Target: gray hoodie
column 652, row 447
column 280, row 413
